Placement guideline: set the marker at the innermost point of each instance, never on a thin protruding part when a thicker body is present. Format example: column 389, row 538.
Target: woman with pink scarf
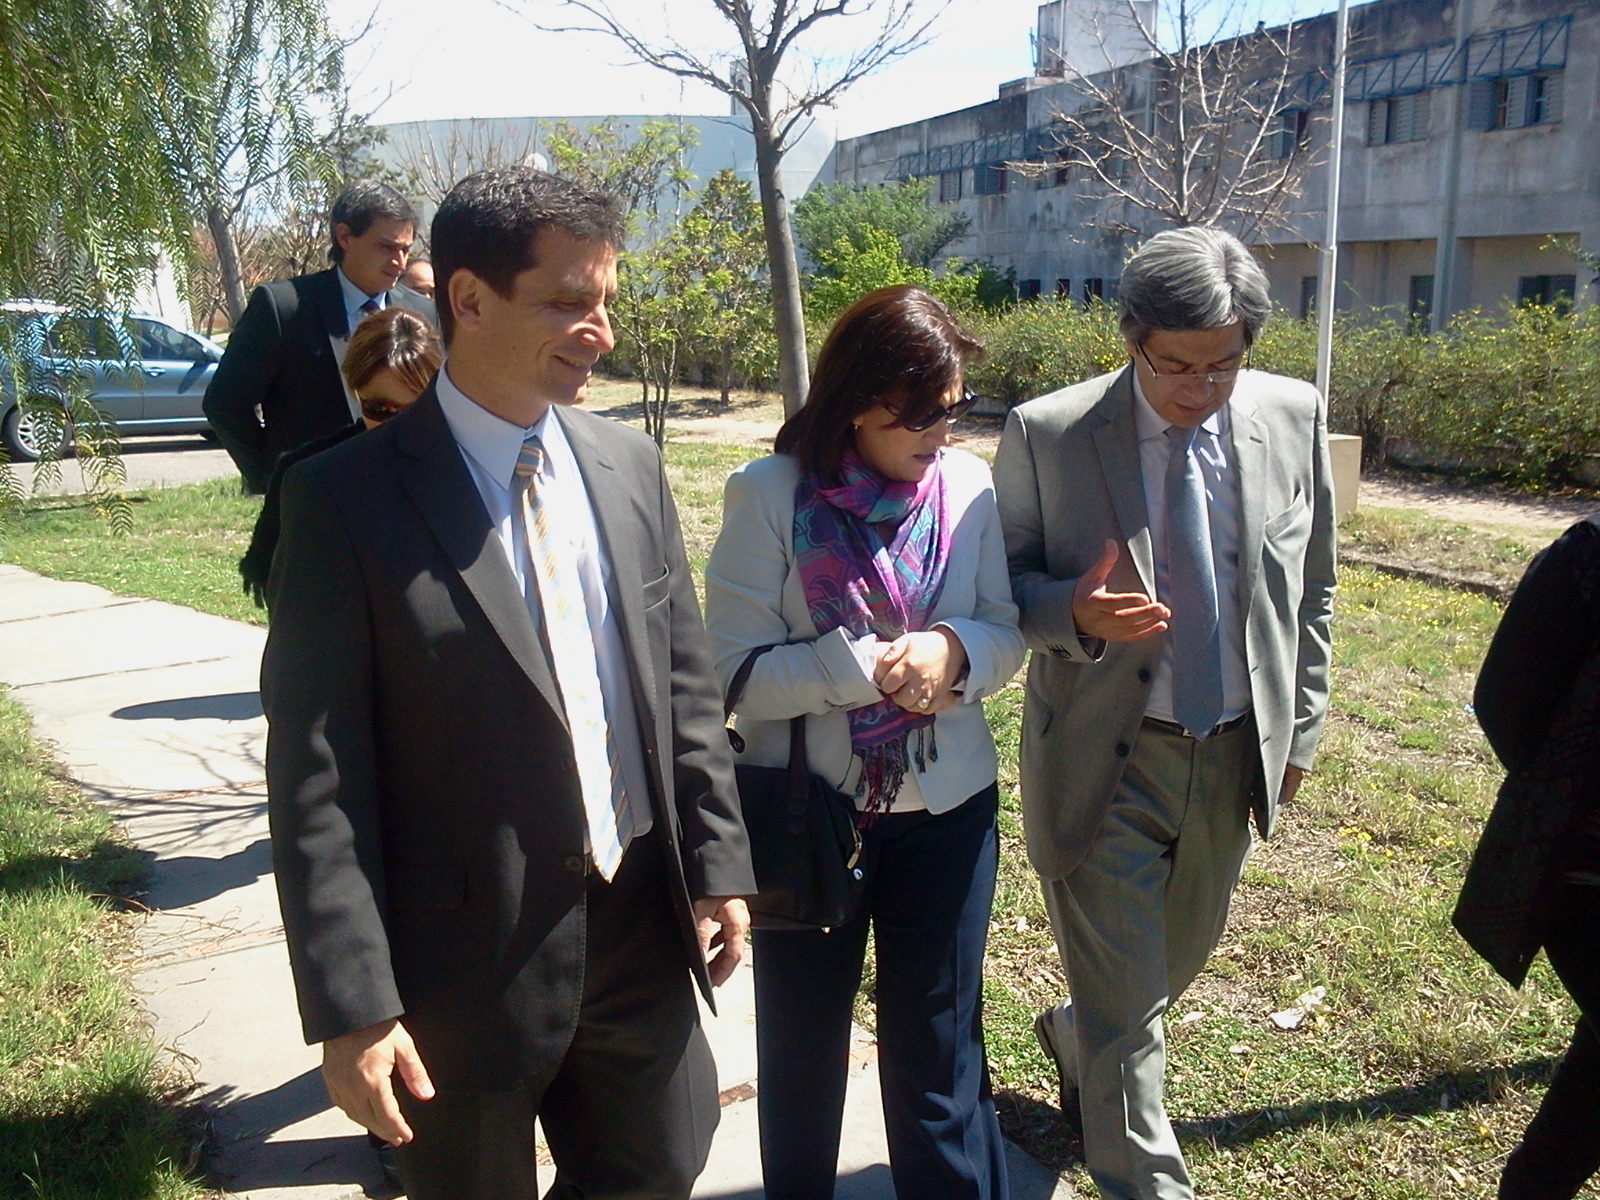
column 869, row 554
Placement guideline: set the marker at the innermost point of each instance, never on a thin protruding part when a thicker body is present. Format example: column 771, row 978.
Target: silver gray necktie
column 1193, row 630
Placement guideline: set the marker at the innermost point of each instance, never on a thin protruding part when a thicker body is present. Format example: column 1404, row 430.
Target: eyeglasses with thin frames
column 950, row 412
column 1208, row 378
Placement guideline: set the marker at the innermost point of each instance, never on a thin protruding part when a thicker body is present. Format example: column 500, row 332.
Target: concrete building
column 1516, row 81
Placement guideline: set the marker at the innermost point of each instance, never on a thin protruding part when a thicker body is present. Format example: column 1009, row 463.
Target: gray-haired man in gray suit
column 1171, row 539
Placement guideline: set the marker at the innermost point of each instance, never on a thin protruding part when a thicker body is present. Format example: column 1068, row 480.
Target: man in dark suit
column 278, row 386
column 504, row 824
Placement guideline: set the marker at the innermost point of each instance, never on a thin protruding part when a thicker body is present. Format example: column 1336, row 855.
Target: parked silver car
column 144, row 373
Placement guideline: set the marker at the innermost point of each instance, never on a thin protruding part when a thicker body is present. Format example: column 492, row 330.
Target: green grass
column 1420, row 1075
column 86, row 1103
column 1496, row 554
column 186, row 541
column 184, row 546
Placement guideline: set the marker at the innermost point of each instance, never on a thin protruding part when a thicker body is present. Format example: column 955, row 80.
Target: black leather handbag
column 804, row 843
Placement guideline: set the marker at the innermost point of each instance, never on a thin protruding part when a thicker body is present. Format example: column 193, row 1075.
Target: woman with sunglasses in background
column 868, row 554
column 390, row 358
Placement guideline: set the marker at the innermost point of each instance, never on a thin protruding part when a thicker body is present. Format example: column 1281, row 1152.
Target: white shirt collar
column 354, row 298
column 1152, row 424
column 493, row 442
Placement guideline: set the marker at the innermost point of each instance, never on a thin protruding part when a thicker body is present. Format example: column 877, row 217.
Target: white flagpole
column 1330, row 240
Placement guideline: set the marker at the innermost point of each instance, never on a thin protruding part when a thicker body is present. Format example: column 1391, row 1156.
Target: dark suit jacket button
column 1122, row 749
column 1144, row 674
column 576, row 864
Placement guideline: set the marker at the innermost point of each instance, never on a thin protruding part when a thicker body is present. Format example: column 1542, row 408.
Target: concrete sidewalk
column 154, row 708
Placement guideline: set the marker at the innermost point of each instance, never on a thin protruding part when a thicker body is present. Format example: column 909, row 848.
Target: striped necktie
column 572, row 654
column 1193, row 631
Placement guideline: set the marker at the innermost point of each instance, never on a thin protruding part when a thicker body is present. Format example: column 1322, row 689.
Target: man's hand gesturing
column 1114, row 616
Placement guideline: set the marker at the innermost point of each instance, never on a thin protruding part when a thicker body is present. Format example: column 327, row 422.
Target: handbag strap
column 799, row 781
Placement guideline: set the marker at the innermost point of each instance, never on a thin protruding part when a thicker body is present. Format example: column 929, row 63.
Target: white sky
column 423, row 60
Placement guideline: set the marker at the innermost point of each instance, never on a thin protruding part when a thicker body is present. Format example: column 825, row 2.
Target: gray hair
column 1193, row 278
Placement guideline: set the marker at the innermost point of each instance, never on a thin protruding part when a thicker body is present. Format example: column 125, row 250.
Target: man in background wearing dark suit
column 504, row 824
column 278, row 386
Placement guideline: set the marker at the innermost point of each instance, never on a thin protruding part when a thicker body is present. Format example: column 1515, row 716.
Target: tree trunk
column 794, row 371
column 227, row 262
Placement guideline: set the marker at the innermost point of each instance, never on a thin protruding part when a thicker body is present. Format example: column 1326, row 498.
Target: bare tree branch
column 1194, row 134
column 769, row 35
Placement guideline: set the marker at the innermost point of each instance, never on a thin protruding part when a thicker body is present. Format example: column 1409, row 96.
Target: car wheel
column 28, row 433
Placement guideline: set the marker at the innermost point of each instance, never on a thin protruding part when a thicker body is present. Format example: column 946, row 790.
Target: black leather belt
column 1173, row 727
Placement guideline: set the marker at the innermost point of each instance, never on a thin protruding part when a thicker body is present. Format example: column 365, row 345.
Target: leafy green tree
column 849, row 269
column 726, row 284
column 647, row 169
column 84, row 196
column 906, row 209
column 234, row 115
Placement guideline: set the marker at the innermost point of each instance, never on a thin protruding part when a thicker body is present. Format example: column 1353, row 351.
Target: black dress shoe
column 1067, row 1098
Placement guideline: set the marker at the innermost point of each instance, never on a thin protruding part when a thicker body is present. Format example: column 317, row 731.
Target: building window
column 1515, row 102
column 989, row 179
column 1308, row 297
column 949, row 186
column 1093, row 289
column 1398, row 119
column 1293, row 133
column 1028, row 289
column 1419, row 307
column 1544, row 99
column 1063, row 289
column 1556, row 290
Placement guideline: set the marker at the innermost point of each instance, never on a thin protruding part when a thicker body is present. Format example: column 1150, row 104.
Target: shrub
column 1043, row 345
column 1517, row 394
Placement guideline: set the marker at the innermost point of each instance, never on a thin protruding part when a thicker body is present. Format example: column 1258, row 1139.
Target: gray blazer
column 1067, row 478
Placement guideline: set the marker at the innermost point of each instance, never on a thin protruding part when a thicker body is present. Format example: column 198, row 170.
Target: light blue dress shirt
column 354, row 298
column 490, row 446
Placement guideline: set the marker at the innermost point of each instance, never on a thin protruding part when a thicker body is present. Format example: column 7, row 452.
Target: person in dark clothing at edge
column 392, row 355
column 1535, row 876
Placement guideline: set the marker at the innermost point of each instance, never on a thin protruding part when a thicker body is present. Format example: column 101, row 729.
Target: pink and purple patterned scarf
column 856, row 581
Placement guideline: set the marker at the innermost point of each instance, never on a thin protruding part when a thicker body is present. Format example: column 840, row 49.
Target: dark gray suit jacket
column 427, row 822
column 280, row 359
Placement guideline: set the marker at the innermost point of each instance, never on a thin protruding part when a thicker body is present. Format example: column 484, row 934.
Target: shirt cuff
column 865, row 651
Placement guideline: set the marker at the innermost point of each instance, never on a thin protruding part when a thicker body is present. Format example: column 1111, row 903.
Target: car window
column 88, row 337
column 156, row 339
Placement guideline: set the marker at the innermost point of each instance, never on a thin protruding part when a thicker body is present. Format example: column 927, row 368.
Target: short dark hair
column 359, row 205
column 898, row 346
column 488, row 222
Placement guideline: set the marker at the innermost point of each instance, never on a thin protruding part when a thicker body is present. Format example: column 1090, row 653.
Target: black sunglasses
column 951, row 413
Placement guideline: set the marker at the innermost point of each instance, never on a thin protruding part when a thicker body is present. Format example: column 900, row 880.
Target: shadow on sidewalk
column 242, row 1158
column 249, row 1166
column 185, row 880
column 227, row 706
